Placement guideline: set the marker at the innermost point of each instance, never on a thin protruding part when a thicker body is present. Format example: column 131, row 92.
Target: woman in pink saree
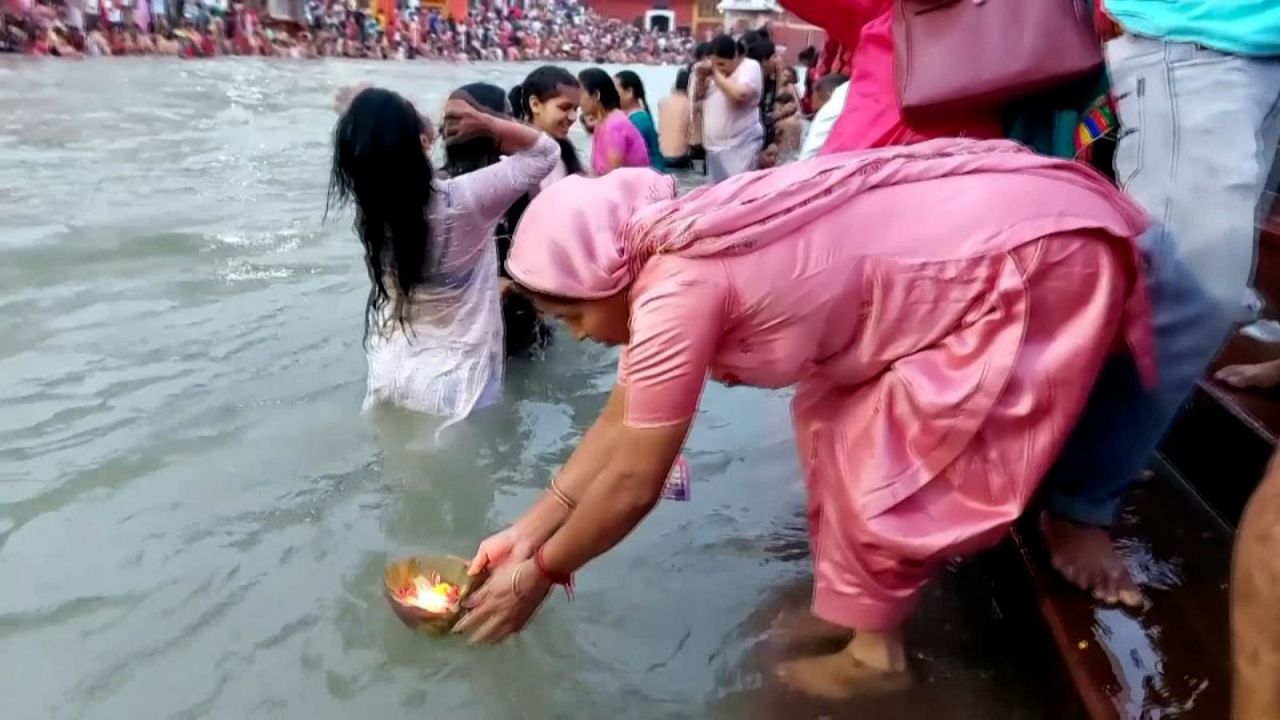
column 942, row 310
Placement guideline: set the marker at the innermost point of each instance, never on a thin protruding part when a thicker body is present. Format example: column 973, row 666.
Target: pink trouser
column 871, row 560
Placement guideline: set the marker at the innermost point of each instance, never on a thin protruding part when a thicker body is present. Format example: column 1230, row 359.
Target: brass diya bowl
column 401, row 574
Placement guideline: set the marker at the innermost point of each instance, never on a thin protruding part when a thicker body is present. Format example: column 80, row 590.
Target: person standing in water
column 549, row 99
column 731, row 131
column 433, row 328
column 674, row 124
column 939, row 362
column 615, row 142
column 524, row 331
column 636, row 106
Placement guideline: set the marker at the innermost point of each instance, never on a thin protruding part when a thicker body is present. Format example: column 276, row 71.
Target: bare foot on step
column 1086, row 557
column 1261, row 376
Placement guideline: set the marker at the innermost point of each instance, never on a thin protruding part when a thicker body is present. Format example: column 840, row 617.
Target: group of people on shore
column 540, row 30
column 969, row 322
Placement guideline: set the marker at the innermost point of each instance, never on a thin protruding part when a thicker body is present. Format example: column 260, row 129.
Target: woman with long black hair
column 549, row 98
column 433, row 328
column 636, row 106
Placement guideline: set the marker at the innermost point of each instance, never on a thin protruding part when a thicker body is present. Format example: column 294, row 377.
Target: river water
column 194, row 516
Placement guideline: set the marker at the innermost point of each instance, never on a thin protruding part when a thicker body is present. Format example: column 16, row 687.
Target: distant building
column 699, row 17
column 707, row 18
column 742, row 15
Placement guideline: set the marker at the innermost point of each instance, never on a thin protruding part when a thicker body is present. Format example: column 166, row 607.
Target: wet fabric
column 940, row 359
column 448, row 359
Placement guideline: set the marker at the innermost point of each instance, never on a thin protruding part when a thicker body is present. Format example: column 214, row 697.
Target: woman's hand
column 504, row 604
column 507, row 546
column 464, row 120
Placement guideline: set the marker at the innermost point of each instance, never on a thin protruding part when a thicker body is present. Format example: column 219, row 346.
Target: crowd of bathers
column 542, row 30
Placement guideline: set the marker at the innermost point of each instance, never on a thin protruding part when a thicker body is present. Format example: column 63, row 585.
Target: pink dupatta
column 587, row 238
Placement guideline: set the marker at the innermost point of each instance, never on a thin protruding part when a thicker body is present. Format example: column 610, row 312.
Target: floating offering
column 431, row 594
column 426, row 591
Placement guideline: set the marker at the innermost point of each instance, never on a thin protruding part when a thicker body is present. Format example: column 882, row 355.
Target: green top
column 644, row 123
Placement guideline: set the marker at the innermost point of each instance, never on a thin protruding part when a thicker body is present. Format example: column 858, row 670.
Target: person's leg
column 881, row 527
column 1198, row 138
column 1255, row 604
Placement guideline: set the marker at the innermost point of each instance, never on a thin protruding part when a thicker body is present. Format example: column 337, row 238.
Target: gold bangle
column 515, row 580
column 562, row 497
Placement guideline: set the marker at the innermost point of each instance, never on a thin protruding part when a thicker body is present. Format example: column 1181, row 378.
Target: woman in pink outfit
column 872, row 117
column 940, row 358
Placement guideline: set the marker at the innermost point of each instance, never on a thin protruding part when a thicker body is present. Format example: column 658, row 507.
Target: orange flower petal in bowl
column 426, row 591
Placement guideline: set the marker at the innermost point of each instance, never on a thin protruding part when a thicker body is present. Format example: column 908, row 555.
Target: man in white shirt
column 731, row 131
column 829, row 94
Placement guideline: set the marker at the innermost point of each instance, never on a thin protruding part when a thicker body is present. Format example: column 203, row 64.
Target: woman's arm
column 737, row 92
column 675, row 330
column 586, row 463
column 488, row 193
column 620, row 497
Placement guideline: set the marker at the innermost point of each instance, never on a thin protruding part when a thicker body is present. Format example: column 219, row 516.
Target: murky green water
column 194, row 517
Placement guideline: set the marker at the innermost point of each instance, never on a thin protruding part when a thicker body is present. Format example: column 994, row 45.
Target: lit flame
column 434, row 597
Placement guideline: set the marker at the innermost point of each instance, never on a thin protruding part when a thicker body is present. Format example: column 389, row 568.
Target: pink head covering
column 587, row 238
column 572, row 242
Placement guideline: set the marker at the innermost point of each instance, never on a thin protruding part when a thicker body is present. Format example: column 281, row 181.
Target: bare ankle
column 880, row 650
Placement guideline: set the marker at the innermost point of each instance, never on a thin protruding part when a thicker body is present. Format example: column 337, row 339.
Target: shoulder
column 671, row 281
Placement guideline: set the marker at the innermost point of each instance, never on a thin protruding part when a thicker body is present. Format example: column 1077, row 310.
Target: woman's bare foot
column 1262, row 376
column 870, row 663
column 1086, row 556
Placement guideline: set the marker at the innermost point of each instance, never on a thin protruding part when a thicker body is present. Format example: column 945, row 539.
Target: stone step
column 1169, row 659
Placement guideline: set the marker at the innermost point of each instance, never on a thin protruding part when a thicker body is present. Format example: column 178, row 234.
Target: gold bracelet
column 562, row 497
column 515, row 580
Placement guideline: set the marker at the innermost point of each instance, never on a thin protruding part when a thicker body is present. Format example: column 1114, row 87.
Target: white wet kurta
column 448, row 358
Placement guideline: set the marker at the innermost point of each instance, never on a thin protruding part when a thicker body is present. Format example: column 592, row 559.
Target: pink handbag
column 973, row 54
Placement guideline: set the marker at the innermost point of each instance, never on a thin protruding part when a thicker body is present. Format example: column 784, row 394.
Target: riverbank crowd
column 539, row 30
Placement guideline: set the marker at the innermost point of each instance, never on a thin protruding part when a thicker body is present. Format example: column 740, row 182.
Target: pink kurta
column 941, row 359
column 943, row 310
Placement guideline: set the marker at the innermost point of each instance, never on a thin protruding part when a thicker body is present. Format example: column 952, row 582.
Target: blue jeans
column 1199, row 138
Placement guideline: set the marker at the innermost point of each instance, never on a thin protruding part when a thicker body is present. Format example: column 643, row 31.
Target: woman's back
column 673, row 125
column 644, row 123
column 447, row 359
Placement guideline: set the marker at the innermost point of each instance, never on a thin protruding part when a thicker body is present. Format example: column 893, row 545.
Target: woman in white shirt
column 433, row 327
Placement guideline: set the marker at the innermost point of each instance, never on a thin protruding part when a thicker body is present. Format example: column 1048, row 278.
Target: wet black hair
column 760, row 48
column 545, row 83
column 682, row 80
column 784, row 98
column 380, row 167
column 631, row 81
column 701, row 51
column 597, row 82
column 471, row 155
column 724, row 46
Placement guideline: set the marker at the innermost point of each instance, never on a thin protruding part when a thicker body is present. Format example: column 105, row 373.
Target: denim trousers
column 1199, row 138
